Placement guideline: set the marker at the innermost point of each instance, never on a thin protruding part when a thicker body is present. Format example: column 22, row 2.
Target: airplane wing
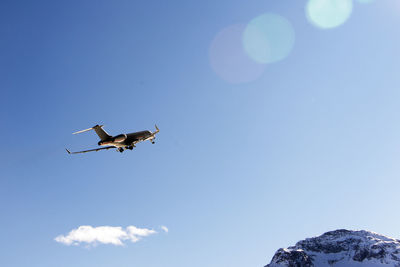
column 90, row 150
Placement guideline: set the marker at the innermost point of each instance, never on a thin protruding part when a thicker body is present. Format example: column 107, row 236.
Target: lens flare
column 365, row 1
column 327, row 14
column 228, row 59
column 268, row 38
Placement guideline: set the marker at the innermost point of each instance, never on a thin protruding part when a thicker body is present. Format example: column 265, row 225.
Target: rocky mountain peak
column 341, row 248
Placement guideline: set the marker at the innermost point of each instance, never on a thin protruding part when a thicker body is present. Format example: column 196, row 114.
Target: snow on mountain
column 341, row 248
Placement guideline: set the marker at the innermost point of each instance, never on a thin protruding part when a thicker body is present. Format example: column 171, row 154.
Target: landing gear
column 121, row 149
column 153, row 142
column 129, row 147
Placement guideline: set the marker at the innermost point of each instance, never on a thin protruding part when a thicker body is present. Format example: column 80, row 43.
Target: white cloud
column 103, row 235
column 164, row 228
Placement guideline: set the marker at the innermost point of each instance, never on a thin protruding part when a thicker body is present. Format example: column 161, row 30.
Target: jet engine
column 120, row 138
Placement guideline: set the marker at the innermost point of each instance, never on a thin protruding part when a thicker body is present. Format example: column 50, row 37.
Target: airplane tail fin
column 99, row 131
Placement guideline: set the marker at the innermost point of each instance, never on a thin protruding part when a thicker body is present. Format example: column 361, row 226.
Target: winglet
column 157, row 130
column 69, row 152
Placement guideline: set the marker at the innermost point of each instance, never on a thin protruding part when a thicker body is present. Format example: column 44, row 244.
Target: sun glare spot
column 268, row 38
column 365, row 1
column 327, row 14
column 228, row 59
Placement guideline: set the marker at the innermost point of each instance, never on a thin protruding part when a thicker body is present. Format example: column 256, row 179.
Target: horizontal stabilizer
column 78, row 132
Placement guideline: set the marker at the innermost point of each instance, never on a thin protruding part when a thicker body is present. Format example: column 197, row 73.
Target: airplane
column 121, row 142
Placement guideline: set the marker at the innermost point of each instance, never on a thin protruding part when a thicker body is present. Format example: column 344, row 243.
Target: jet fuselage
column 126, row 140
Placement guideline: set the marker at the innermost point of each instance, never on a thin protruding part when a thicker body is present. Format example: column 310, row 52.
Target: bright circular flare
column 365, row 1
column 268, row 38
column 228, row 59
column 327, row 14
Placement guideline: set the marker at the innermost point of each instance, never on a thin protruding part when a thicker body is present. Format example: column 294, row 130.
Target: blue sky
column 238, row 170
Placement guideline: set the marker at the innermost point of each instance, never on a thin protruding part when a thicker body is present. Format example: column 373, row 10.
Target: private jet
column 121, row 142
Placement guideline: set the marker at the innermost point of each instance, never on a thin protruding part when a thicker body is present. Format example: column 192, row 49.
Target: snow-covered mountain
column 341, row 248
